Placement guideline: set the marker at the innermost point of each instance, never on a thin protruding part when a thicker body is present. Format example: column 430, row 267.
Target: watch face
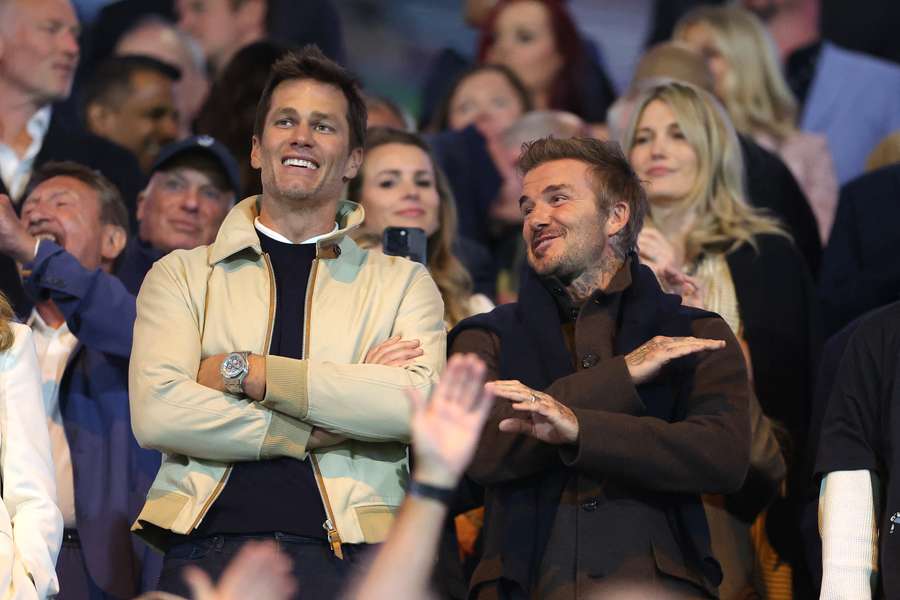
column 233, row 366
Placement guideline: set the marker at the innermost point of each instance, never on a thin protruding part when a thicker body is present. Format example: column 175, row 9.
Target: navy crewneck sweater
column 279, row 494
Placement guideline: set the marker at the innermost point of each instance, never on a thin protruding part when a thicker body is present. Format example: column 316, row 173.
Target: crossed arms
column 173, row 412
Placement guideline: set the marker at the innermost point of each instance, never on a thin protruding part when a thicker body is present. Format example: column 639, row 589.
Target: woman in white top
column 399, row 185
column 31, row 524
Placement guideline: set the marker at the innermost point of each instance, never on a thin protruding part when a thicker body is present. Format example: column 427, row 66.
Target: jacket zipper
column 272, row 298
column 334, row 538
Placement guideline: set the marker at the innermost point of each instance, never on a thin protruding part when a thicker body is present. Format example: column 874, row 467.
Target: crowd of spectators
column 206, row 341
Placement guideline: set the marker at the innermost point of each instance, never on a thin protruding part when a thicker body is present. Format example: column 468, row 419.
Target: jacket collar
column 644, row 307
column 237, row 232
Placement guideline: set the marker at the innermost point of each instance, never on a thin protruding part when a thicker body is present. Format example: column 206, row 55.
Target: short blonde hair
column 755, row 92
column 724, row 220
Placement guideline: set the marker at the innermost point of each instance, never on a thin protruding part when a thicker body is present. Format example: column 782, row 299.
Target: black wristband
column 423, row 490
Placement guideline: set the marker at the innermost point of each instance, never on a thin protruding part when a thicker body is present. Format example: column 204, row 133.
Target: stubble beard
column 292, row 195
column 579, row 256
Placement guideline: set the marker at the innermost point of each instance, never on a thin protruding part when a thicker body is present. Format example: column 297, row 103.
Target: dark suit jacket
column 860, row 268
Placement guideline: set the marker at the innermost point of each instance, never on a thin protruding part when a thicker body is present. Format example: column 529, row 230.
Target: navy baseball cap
column 204, row 144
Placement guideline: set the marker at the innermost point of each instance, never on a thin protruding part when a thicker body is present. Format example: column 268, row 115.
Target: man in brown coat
column 617, row 406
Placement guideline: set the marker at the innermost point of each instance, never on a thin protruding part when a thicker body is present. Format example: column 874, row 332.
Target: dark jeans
column 319, row 573
column 75, row 582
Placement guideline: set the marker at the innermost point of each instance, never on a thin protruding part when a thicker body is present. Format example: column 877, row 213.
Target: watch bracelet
column 424, row 490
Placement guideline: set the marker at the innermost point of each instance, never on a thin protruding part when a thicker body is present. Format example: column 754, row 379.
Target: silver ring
column 533, row 398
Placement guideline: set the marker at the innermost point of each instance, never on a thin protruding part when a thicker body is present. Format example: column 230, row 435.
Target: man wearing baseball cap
column 193, row 184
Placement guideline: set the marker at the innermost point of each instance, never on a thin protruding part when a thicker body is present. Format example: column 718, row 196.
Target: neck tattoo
column 595, row 278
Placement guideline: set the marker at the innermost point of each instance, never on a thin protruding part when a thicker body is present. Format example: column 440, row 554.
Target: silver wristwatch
column 234, row 370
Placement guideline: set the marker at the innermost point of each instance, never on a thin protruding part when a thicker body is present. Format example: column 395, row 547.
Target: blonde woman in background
column 705, row 242
column 399, row 185
column 749, row 81
column 31, row 524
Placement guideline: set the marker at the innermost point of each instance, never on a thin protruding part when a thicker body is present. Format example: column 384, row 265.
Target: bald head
column 160, row 39
column 541, row 124
column 40, row 49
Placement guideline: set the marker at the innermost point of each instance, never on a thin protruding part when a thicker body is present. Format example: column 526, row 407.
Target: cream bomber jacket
column 221, row 298
column 31, row 525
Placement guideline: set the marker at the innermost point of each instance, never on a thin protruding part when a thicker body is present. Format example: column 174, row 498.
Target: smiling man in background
column 192, row 186
column 130, row 100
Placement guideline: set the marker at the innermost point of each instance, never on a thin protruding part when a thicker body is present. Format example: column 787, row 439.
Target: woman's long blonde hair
column 448, row 273
column 6, row 315
column 723, row 220
column 755, row 92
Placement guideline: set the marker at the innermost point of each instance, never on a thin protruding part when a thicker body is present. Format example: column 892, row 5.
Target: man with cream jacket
column 270, row 367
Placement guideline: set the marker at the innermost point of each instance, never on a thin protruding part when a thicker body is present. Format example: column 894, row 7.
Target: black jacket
column 781, row 319
column 770, row 185
column 860, row 270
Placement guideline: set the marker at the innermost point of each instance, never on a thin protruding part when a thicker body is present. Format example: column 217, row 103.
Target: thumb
column 199, row 582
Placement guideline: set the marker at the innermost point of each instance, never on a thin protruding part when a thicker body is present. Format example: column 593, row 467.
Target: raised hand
column 656, row 251
column 646, row 361
column 15, row 241
column 394, row 352
column 446, row 428
column 689, row 288
column 542, row 417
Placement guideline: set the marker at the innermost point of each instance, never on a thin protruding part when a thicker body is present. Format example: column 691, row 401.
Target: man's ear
column 255, row 160
column 618, row 218
column 98, row 119
column 112, row 241
column 352, row 168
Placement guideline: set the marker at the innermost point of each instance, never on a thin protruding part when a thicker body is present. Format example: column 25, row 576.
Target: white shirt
column 271, row 233
column 54, row 347
column 15, row 170
column 29, row 492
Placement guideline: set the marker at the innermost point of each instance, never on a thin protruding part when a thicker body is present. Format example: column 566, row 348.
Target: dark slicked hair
column 112, row 208
column 310, row 63
column 612, row 176
column 110, row 84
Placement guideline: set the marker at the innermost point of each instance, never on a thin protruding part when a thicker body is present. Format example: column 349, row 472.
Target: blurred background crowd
column 785, row 223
